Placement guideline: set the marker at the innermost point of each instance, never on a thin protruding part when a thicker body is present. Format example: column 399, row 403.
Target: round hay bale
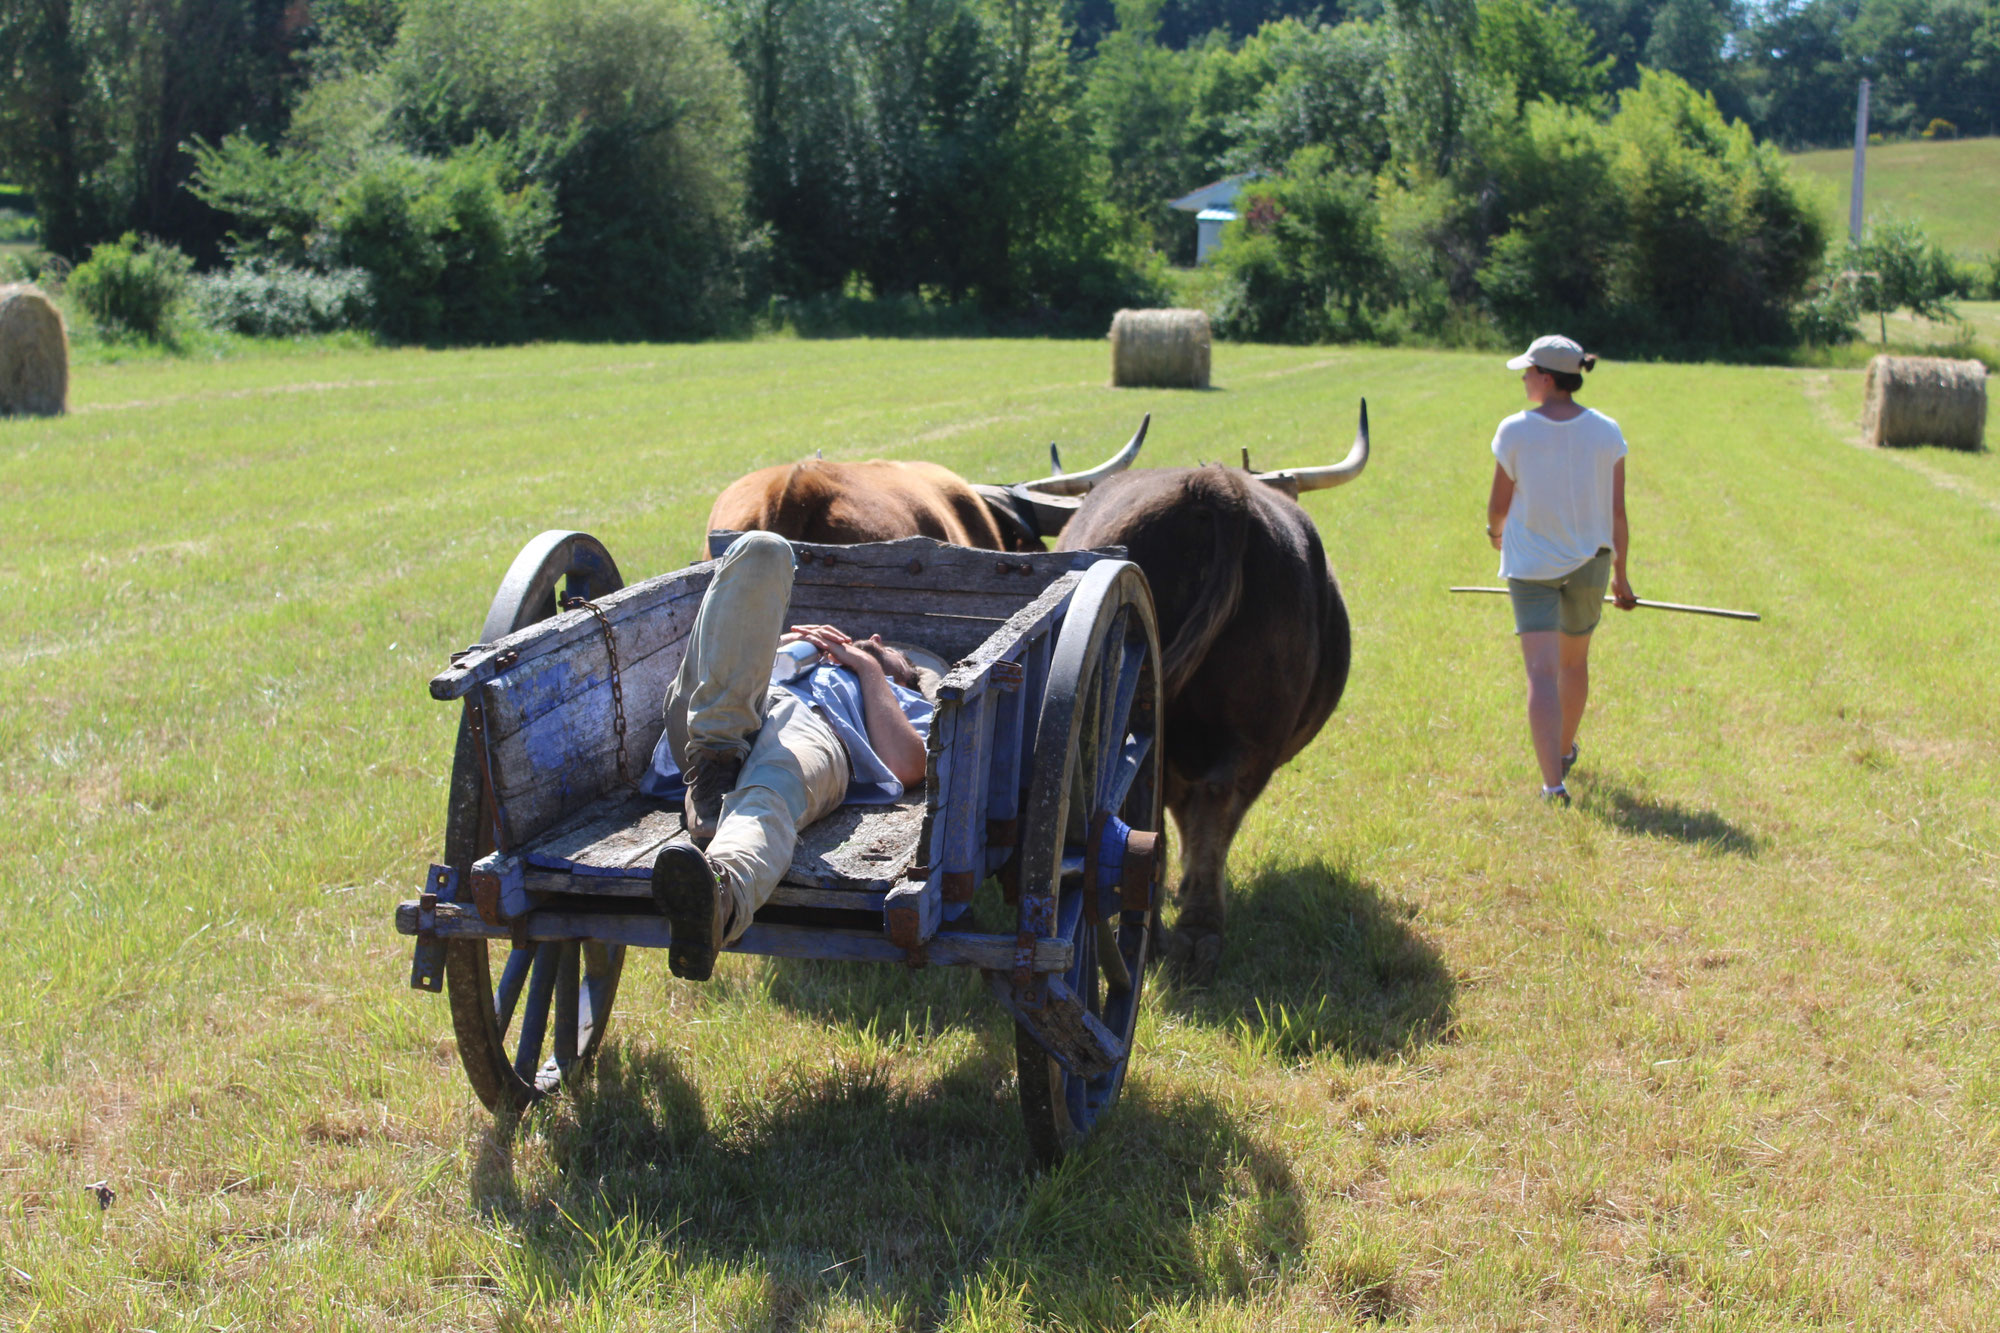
column 1925, row 400
column 1161, row 349
column 34, row 354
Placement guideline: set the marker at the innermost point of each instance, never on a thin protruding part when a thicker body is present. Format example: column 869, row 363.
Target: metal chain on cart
column 617, row 686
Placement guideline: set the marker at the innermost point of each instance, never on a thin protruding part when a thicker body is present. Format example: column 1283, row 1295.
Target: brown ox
column 1254, row 642
column 819, row 500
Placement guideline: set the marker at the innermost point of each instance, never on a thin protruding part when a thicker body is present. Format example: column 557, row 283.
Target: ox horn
column 1079, row 483
column 1319, row 478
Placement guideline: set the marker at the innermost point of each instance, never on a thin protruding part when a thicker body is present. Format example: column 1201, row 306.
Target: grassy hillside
column 1712, row 1050
column 1952, row 188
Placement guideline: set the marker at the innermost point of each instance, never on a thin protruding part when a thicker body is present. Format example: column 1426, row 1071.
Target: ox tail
column 1218, row 589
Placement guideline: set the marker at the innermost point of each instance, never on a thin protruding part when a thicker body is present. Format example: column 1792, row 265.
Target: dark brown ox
column 1254, row 642
column 821, row 500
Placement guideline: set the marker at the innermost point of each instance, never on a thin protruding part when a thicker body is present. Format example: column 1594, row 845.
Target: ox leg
column 1207, row 815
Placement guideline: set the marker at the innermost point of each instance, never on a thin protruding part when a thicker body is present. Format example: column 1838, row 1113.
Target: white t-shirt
column 1561, row 515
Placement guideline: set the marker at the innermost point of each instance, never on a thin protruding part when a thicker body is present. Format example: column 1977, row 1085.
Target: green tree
column 97, row 97
column 1327, row 87
column 628, row 112
column 1898, row 267
column 1305, row 262
column 1140, row 103
column 1667, row 229
column 1541, row 49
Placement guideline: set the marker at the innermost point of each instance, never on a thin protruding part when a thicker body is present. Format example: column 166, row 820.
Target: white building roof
column 1219, row 194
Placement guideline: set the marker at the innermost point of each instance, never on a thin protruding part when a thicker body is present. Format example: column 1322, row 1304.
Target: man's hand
column 1622, row 594
column 836, row 646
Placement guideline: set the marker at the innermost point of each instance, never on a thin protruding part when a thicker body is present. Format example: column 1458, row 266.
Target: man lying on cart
column 771, row 729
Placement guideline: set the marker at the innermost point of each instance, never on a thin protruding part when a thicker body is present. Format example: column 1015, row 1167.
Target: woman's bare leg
column 1573, row 675
column 1542, row 653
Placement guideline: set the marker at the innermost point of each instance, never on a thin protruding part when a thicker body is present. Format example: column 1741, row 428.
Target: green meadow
column 1714, row 1050
column 1950, row 186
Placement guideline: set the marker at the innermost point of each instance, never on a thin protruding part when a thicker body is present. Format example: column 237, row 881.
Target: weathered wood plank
column 1062, row 1025
column 562, row 882
column 970, row 675
column 857, row 848
column 949, row 637
column 946, row 949
column 483, row 663
column 650, row 645
column 917, row 563
column 964, row 857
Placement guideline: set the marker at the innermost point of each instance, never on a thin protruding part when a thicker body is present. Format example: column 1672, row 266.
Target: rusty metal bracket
column 427, row 965
column 1007, row 676
column 1139, row 885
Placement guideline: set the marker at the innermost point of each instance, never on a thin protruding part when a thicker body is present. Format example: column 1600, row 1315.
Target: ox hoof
column 1192, row 958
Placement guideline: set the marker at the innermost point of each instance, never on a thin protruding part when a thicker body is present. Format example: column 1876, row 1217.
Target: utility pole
column 1860, row 164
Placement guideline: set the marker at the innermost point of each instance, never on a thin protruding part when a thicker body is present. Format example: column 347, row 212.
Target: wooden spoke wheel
column 1097, row 767
column 556, row 993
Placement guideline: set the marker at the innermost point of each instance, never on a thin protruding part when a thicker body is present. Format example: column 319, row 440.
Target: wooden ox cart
column 1044, row 770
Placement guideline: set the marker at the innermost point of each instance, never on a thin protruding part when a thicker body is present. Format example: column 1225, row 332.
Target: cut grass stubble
column 1709, row 1050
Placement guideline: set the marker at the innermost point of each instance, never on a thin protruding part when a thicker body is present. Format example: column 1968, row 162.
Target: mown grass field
column 1952, row 187
column 1713, row 1050
column 1975, row 332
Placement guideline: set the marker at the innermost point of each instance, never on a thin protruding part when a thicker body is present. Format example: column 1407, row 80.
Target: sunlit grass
column 1951, row 187
column 1710, row 1050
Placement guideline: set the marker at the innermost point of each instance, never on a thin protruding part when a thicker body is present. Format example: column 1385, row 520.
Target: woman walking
column 1557, row 516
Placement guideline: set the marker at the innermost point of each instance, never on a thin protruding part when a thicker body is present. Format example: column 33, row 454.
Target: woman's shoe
column 1569, row 760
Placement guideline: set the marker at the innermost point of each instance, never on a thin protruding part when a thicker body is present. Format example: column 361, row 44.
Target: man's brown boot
column 689, row 895
column 711, row 775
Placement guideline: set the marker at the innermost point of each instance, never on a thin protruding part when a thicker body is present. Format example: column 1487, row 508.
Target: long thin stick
column 1658, row 606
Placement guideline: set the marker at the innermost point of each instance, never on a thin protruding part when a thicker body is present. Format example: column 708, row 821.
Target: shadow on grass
column 1636, row 812
column 1316, row 959
column 844, row 1182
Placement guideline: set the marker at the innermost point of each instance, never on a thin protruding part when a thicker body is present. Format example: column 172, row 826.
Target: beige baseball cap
column 1551, row 351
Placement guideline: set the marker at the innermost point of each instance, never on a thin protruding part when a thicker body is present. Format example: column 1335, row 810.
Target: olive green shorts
column 1573, row 603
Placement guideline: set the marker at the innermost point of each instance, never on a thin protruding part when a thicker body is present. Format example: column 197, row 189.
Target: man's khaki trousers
column 794, row 768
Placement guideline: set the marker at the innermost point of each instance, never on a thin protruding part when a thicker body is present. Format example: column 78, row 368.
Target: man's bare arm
column 895, row 742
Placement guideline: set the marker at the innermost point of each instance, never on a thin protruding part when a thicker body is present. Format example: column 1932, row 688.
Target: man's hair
column 896, row 666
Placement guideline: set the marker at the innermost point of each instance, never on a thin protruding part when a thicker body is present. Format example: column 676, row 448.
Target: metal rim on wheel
column 1097, row 757
column 553, row 994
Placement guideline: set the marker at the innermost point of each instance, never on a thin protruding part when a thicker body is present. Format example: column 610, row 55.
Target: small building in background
column 1214, row 207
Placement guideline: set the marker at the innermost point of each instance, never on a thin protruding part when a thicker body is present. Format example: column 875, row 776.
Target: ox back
column 822, row 500
column 1255, row 642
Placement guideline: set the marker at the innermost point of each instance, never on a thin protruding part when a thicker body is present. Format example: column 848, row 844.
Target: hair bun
column 1590, row 360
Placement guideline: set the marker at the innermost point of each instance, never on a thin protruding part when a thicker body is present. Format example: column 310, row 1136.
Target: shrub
column 1940, row 128
column 451, row 253
column 1826, row 316
column 1305, row 262
column 133, row 284
column 1897, row 266
column 1667, row 229
column 452, row 247
column 627, row 113
column 16, row 227
column 268, row 300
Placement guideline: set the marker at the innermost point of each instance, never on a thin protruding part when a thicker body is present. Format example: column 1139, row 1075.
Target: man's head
column 894, row 664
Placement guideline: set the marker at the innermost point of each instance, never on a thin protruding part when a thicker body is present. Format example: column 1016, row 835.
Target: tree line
column 488, row 169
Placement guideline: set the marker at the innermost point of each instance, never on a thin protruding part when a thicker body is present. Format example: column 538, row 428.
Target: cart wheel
column 564, row 985
column 1097, row 754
